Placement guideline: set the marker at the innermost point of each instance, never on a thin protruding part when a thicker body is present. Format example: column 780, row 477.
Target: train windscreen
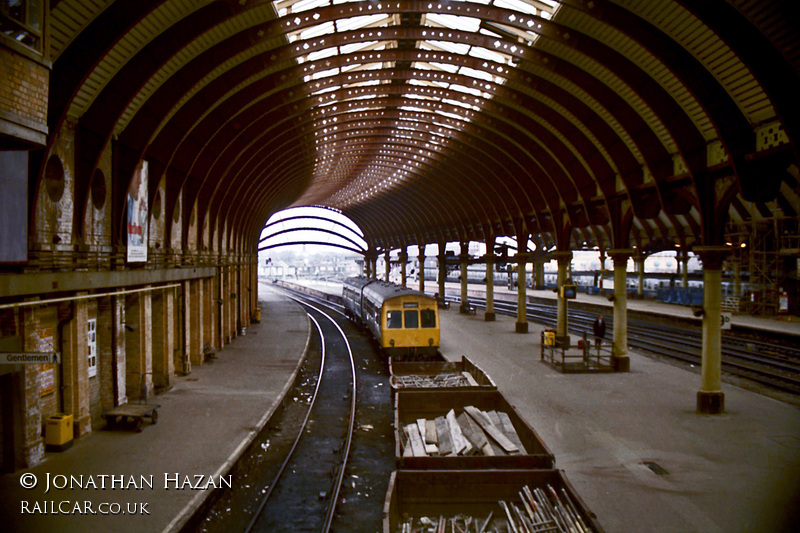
column 412, row 319
column 394, row 319
column 428, row 318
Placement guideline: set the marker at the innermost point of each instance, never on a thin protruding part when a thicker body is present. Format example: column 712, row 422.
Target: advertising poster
column 136, row 217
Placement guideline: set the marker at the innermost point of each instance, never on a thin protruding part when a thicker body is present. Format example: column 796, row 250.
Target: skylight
column 423, row 62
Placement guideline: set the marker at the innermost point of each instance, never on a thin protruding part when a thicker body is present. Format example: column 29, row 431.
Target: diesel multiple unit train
column 655, row 285
column 404, row 322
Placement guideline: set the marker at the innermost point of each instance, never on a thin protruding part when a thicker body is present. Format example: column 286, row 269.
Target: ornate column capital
column 712, row 256
column 562, row 257
column 621, row 254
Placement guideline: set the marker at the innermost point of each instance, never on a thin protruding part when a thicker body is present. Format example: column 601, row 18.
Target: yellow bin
column 58, row 432
column 549, row 338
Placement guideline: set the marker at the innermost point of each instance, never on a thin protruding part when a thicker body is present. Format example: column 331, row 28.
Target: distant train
column 661, row 285
column 658, row 285
column 404, row 322
column 475, row 274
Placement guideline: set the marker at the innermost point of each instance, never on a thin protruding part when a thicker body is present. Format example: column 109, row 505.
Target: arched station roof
column 605, row 122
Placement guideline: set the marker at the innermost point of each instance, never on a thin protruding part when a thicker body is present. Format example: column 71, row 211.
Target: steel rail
column 336, row 487
column 351, row 423
column 278, row 476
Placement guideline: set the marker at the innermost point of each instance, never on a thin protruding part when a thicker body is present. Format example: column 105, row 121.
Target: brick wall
column 24, row 89
column 28, row 387
column 105, row 358
column 132, row 347
column 95, row 385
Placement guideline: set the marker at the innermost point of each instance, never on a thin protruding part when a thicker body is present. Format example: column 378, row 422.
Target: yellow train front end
column 410, row 326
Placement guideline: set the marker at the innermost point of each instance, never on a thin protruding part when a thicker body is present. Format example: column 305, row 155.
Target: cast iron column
column 442, row 269
column 639, row 259
column 489, row 315
column 464, row 260
column 522, row 307
column 421, row 268
column 403, row 256
column 602, row 269
column 685, row 260
column 710, row 398
column 619, row 358
column 564, row 260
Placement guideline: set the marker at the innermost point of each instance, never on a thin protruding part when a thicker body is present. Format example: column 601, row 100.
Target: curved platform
column 205, row 421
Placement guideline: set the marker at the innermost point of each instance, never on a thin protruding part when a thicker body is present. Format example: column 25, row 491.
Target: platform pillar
column 421, row 268
column 602, row 269
column 118, row 350
column 489, row 315
column 522, row 298
column 388, row 266
column 75, row 368
column 163, row 303
column 710, row 398
column 564, row 260
column 186, row 287
column 537, row 274
column 639, row 260
column 139, row 345
column 403, row 257
column 464, row 262
column 684, row 259
column 442, row 269
column 619, row 358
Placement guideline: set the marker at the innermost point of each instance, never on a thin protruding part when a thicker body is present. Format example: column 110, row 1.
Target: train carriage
column 402, row 320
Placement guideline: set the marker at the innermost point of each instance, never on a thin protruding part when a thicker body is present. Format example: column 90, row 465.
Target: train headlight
column 430, row 342
column 391, row 342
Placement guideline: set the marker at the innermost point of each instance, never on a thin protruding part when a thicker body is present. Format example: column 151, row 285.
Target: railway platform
column 632, row 444
column 163, row 474
column 783, row 324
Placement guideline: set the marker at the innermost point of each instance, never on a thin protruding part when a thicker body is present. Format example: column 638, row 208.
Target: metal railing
column 585, row 356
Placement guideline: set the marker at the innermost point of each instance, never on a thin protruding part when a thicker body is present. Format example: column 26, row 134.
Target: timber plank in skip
column 474, row 434
column 461, row 446
column 508, row 428
column 443, row 434
column 430, row 432
column 486, row 424
column 416, row 441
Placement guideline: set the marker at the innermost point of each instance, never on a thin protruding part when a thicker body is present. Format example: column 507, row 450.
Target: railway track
column 772, row 365
column 322, row 462
column 305, row 491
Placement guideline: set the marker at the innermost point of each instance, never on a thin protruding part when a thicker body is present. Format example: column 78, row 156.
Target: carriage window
column 412, row 319
column 394, row 319
column 428, row 318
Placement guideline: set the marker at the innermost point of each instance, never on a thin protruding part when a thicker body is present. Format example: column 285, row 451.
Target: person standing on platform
column 599, row 329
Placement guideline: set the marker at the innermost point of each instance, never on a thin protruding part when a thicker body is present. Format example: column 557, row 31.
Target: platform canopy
column 581, row 123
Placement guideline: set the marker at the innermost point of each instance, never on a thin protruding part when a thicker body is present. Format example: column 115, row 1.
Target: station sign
column 30, row 358
column 725, row 320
